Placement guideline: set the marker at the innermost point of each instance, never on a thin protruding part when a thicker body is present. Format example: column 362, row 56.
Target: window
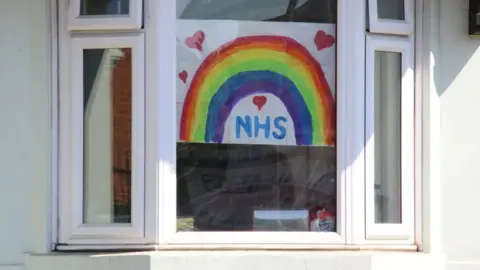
column 391, row 16
column 236, row 123
column 102, row 130
column 389, row 150
column 390, row 122
column 104, row 14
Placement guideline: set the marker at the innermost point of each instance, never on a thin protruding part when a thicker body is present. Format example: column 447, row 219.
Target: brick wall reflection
column 122, row 128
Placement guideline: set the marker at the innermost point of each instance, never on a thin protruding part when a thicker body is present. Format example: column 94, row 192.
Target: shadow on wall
column 455, row 47
column 455, row 74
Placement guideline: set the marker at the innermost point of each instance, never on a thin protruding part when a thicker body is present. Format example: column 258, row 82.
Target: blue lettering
column 245, row 124
column 265, row 127
column 280, row 127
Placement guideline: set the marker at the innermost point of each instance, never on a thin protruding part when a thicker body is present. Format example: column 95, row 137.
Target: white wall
column 24, row 129
column 456, row 79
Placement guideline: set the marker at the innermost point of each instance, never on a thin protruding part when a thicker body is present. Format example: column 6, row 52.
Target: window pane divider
column 402, row 233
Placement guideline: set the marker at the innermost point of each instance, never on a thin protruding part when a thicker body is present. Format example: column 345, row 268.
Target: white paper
column 261, row 115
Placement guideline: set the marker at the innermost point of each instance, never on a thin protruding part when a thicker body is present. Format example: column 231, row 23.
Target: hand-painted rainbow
column 259, row 64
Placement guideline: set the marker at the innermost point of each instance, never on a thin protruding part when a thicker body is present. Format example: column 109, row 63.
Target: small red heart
column 323, row 41
column 259, row 101
column 195, row 41
column 183, row 76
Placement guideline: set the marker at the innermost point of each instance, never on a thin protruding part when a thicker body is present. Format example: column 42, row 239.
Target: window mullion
column 351, row 81
column 164, row 79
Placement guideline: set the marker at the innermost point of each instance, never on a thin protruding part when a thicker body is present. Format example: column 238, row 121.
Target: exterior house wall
column 25, row 130
column 26, row 154
column 458, row 61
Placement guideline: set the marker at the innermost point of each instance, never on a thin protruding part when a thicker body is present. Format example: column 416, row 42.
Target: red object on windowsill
column 321, row 220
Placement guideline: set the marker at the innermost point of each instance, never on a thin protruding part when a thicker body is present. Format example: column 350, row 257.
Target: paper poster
column 256, row 82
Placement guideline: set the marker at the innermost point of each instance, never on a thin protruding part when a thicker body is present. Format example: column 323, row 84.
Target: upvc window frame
column 349, row 22
column 71, row 230
column 132, row 20
column 72, row 155
column 159, row 201
column 390, row 26
column 402, row 232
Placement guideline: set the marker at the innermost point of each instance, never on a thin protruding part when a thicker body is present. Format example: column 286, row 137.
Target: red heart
column 195, row 41
column 183, row 76
column 323, row 41
column 259, row 101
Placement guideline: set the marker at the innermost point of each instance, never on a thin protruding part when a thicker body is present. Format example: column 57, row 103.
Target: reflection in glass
column 104, row 7
column 315, row 11
column 244, row 161
column 388, row 137
column 283, row 220
column 107, row 135
column 221, row 189
column 391, row 9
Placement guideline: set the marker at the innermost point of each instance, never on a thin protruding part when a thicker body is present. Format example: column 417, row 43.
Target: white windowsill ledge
column 232, row 260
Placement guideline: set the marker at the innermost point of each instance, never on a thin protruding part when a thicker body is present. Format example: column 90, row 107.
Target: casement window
column 236, row 123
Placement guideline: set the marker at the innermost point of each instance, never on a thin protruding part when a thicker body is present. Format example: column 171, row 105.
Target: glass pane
column 388, row 137
column 391, row 9
column 256, row 115
column 107, row 135
column 104, row 7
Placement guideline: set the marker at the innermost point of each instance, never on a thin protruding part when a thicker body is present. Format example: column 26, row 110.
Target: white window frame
column 106, row 22
column 353, row 22
column 157, row 227
column 404, row 231
column 72, row 229
column 389, row 26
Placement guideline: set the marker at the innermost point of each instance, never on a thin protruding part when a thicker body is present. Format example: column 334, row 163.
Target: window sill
column 236, row 247
column 265, row 260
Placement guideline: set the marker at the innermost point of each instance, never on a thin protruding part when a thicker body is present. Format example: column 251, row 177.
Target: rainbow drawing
column 250, row 65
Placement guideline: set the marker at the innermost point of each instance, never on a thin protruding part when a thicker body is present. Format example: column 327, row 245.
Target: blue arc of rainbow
column 258, row 82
